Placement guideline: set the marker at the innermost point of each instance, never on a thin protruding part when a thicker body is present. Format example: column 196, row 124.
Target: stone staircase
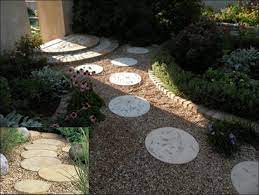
column 77, row 49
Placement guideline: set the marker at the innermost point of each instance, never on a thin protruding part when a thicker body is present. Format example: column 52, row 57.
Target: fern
column 14, row 119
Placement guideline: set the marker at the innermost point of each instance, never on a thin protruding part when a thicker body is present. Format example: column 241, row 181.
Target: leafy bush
column 243, row 60
column 198, row 46
column 9, row 138
column 74, row 135
column 14, row 119
column 232, row 92
column 54, row 79
column 176, row 14
column 5, row 96
column 131, row 21
column 227, row 137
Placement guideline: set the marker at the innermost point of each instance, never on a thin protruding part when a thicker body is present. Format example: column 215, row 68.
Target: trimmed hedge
column 231, row 92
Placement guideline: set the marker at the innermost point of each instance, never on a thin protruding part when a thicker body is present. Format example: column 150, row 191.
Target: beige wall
column 68, row 15
column 14, row 23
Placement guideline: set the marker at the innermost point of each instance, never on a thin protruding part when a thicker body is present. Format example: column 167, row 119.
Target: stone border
column 190, row 106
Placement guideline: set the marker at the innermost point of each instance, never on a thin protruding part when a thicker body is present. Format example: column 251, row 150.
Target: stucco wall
column 14, row 23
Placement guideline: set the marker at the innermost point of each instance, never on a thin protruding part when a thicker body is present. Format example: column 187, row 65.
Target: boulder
column 4, row 167
column 25, row 132
column 76, row 152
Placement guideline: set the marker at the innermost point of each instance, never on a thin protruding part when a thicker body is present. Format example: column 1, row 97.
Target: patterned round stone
column 36, row 163
column 172, row 145
column 59, row 173
column 137, row 50
column 90, row 68
column 34, row 134
column 129, row 106
column 39, row 153
column 32, row 186
column 125, row 78
column 70, row 43
column 245, row 176
column 41, row 147
column 49, row 142
column 124, row 62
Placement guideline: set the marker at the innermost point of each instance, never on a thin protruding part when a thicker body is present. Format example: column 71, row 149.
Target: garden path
column 119, row 160
column 27, row 167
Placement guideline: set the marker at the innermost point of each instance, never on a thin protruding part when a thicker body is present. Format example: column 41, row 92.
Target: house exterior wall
column 14, row 23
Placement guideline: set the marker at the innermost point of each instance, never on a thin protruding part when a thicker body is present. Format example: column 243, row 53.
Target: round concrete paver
column 39, row 153
column 36, row 163
column 125, row 78
column 59, row 173
column 172, row 145
column 32, row 186
column 53, row 142
column 137, row 50
column 41, row 147
column 124, row 62
column 245, row 176
column 66, row 148
column 129, row 106
column 50, row 135
column 90, row 68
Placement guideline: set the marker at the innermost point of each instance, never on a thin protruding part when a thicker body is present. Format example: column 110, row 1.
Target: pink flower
column 75, row 83
column 73, row 115
column 67, row 118
column 86, row 106
column 56, row 125
column 71, row 70
column 93, row 119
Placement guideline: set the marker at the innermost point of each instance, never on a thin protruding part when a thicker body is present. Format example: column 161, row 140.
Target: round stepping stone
column 125, row 78
column 90, row 68
column 34, row 134
column 245, row 176
column 50, row 135
column 172, row 145
column 41, row 147
column 39, row 153
column 36, row 163
column 124, row 62
column 137, row 50
column 59, row 173
column 66, row 148
column 129, row 106
column 32, row 186
column 53, row 142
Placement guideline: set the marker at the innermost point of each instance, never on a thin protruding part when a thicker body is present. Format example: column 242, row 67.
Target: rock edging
column 189, row 105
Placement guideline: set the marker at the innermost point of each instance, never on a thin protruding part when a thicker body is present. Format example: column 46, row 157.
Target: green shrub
column 198, row 46
column 9, row 138
column 54, row 79
column 5, row 96
column 243, row 60
column 14, row 119
column 175, row 15
column 131, row 21
column 232, row 92
column 74, row 135
column 227, row 137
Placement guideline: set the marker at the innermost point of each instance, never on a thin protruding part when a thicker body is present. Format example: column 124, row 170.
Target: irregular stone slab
column 32, row 186
column 4, row 167
column 41, row 147
column 71, row 43
column 172, row 145
column 129, row 106
column 34, row 134
column 25, row 132
column 50, row 136
column 125, row 78
column 39, row 153
column 66, row 148
column 59, row 173
column 36, row 163
column 245, row 176
column 49, row 142
column 137, row 50
column 124, row 62
column 90, row 68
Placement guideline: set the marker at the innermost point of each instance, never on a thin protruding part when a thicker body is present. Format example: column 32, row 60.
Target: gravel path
column 17, row 173
column 120, row 163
